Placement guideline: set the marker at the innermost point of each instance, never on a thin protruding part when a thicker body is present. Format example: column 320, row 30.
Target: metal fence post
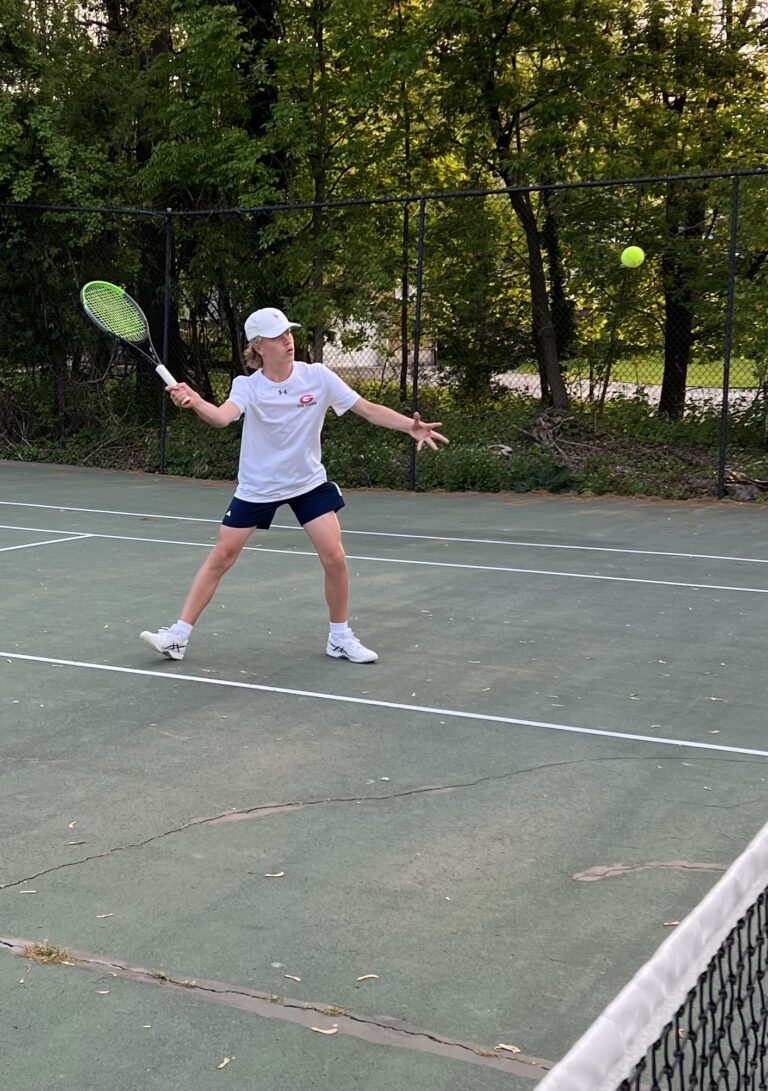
column 417, row 334
column 166, row 329
column 728, row 340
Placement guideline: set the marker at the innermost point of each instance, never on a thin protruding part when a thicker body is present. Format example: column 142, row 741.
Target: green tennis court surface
column 470, row 845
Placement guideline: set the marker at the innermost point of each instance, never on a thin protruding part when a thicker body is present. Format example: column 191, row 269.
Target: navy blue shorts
column 318, row 501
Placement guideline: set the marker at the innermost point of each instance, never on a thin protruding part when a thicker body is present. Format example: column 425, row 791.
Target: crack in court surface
column 612, row 871
column 269, row 810
column 376, row 1030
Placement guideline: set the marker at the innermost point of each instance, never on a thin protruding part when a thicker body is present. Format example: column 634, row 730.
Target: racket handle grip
column 165, row 375
column 168, row 379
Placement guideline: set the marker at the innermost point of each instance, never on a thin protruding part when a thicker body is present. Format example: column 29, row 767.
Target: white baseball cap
column 268, row 322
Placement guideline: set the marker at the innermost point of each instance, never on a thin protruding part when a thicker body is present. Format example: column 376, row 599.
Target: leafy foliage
column 200, row 105
column 628, row 450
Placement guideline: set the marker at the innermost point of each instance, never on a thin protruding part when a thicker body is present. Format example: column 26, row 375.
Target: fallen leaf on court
column 671, row 924
column 103, row 992
column 147, row 1026
column 225, row 1062
column 509, row 1049
column 369, row 977
column 77, row 842
column 291, row 977
column 71, row 825
column 103, row 916
column 27, row 892
column 274, row 875
column 325, row 1030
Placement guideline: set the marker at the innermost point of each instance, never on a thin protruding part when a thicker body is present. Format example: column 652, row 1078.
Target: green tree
column 513, row 83
column 695, row 79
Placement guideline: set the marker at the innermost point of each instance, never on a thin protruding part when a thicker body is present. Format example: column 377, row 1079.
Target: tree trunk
column 545, row 342
column 678, row 340
column 685, row 217
column 319, row 98
column 561, row 305
column 317, row 279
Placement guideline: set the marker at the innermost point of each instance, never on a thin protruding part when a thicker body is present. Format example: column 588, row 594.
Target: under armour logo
column 282, row 391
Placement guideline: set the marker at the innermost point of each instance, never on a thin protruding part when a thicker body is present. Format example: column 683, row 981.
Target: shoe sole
column 148, row 638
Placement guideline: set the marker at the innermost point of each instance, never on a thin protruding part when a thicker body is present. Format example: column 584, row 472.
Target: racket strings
column 115, row 311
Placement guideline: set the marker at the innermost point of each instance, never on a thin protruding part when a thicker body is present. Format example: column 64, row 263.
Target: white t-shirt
column 280, row 448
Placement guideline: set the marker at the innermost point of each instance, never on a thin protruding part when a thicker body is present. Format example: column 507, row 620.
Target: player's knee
column 222, row 558
column 334, row 561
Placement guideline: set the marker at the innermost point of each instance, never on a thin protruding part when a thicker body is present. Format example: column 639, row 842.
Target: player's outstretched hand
column 425, row 433
column 182, row 395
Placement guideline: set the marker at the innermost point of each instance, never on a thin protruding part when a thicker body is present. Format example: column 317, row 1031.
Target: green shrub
column 626, row 449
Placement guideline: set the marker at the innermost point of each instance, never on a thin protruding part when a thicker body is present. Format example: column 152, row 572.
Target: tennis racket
column 116, row 313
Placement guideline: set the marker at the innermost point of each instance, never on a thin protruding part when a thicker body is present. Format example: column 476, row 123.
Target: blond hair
column 251, row 356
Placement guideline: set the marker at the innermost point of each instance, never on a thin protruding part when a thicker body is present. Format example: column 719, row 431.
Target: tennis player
column 283, row 402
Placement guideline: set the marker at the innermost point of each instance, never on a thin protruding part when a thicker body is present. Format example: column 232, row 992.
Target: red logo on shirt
column 307, row 399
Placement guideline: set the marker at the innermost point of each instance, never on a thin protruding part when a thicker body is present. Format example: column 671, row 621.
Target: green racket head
column 113, row 311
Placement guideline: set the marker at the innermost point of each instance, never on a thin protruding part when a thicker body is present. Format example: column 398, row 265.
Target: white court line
column 51, row 541
column 389, row 705
column 429, row 564
column 416, row 537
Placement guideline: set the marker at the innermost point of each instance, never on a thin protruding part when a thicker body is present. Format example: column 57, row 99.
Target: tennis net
column 695, row 1017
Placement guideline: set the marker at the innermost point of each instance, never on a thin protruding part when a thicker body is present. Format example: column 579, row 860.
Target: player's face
column 277, row 350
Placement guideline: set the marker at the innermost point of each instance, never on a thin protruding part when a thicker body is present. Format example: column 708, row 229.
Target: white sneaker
column 349, row 647
column 168, row 642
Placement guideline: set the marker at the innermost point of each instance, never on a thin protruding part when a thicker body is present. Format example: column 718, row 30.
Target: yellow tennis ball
column 632, row 257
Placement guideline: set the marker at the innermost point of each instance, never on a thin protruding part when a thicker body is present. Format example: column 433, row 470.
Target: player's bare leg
column 325, row 535
column 172, row 642
column 228, row 547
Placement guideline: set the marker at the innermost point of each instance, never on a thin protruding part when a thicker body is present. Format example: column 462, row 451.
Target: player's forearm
column 215, row 415
column 384, row 417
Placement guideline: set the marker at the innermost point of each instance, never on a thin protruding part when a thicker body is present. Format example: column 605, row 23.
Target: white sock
column 339, row 628
column 183, row 627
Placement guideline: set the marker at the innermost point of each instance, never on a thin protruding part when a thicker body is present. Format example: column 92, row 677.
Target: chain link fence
column 518, row 290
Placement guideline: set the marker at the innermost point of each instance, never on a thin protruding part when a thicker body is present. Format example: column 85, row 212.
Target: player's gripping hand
column 184, row 396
